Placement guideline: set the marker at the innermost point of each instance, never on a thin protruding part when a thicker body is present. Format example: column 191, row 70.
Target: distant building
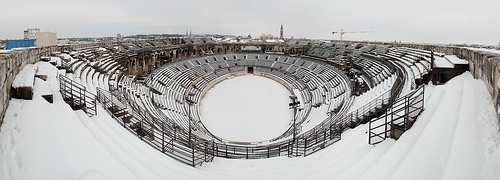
column 19, row 43
column 281, row 31
column 498, row 47
column 118, row 37
column 477, row 46
column 31, row 33
column 267, row 37
column 46, row 39
column 189, row 36
column 251, row 49
column 458, row 45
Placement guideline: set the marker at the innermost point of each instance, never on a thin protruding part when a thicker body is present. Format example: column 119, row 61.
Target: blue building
column 20, row 43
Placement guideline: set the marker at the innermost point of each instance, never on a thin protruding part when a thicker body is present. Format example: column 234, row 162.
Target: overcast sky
column 419, row 21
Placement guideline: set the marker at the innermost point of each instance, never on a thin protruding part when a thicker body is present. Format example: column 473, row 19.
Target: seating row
column 322, row 87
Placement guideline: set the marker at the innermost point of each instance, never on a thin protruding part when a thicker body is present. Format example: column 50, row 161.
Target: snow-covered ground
column 247, row 108
column 497, row 51
column 456, row 137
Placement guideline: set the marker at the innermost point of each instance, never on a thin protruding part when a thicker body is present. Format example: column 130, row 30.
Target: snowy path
column 470, row 147
column 51, row 147
column 392, row 158
column 437, row 134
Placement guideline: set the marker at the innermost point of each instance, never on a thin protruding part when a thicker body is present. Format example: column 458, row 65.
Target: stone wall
column 10, row 65
column 13, row 62
column 146, row 61
column 483, row 65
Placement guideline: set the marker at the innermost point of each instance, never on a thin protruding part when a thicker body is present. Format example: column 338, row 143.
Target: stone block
column 43, row 77
column 22, row 92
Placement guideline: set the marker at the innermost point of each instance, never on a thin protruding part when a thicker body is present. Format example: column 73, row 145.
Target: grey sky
column 420, row 21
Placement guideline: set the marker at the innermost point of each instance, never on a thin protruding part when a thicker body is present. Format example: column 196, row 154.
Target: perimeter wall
column 14, row 61
column 483, row 65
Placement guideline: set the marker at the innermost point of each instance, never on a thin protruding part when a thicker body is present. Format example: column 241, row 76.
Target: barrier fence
column 77, row 96
column 398, row 118
column 163, row 134
column 175, row 142
column 170, row 140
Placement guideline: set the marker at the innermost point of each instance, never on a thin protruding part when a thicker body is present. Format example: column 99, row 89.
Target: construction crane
column 342, row 32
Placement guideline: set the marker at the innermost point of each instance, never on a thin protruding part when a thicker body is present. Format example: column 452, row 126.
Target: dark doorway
column 250, row 70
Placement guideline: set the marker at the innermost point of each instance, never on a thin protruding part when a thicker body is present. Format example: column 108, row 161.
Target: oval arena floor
column 247, row 108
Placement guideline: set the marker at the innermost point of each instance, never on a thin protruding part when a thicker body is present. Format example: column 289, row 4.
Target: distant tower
column 118, row 37
column 187, row 35
column 281, row 31
column 190, row 36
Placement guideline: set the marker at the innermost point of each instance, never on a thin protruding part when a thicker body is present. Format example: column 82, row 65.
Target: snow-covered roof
column 65, row 56
column 496, row 51
column 455, row 60
column 25, row 77
column 17, row 49
column 54, row 59
column 442, row 63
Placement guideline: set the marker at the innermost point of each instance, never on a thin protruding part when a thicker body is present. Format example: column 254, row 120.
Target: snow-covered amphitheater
column 168, row 109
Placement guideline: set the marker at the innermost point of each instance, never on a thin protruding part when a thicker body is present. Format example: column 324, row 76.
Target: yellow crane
column 342, row 32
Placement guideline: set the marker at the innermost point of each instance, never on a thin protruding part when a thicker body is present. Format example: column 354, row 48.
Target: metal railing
column 170, row 140
column 174, row 141
column 377, row 105
column 165, row 135
column 66, row 65
column 77, row 96
column 398, row 118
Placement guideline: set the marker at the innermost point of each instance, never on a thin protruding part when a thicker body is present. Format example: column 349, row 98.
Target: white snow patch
column 247, row 108
column 92, row 175
column 25, row 77
column 456, row 137
column 442, row 63
column 455, row 60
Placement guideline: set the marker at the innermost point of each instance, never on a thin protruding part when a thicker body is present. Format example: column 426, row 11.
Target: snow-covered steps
column 455, row 137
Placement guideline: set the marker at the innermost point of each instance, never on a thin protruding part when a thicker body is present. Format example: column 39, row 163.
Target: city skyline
column 390, row 20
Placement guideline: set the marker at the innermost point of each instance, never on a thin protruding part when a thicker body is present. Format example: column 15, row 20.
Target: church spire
column 281, row 31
